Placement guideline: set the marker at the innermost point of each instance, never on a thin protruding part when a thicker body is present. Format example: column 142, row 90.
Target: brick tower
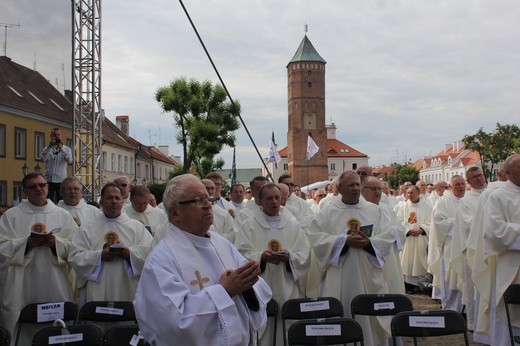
column 306, row 108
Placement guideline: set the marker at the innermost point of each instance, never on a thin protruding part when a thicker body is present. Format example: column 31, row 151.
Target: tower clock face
column 309, row 121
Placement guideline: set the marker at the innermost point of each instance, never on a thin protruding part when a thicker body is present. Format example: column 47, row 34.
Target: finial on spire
column 306, row 28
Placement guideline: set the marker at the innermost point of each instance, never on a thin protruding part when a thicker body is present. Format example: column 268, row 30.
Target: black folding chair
column 105, row 311
column 80, row 335
column 310, row 308
column 512, row 296
column 380, row 304
column 272, row 311
column 428, row 323
column 29, row 315
column 5, row 337
column 329, row 331
column 122, row 335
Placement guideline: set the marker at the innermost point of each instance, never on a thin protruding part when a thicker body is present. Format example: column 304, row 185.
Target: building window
column 20, row 151
column 39, row 145
column 354, row 166
column 125, row 165
column 17, row 192
column 119, row 163
column 131, row 165
column 3, row 193
column 2, row 140
column 147, row 172
column 285, row 166
column 113, row 162
column 105, row 160
column 332, row 166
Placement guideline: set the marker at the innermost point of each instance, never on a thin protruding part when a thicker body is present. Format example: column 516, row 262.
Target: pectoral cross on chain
column 200, row 280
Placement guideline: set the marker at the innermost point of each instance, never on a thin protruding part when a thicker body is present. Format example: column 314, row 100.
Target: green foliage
column 157, row 190
column 178, row 170
column 401, row 175
column 205, row 120
column 494, row 147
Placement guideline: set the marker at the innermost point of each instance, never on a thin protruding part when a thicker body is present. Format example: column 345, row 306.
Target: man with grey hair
column 439, row 244
column 123, row 182
column 501, row 223
column 196, row 287
column 332, row 192
column 421, row 184
column 463, row 220
column 223, row 220
column 71, row 191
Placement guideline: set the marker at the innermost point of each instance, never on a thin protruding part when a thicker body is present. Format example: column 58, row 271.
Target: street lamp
column 25, row 169
column 37, row 168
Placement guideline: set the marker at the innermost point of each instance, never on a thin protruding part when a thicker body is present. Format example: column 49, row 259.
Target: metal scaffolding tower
column 86, row 86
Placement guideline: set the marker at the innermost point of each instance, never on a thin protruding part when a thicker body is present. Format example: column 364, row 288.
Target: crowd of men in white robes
column 353, row 237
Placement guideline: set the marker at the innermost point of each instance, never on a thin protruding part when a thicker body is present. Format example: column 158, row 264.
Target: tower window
column 309, row 72
column 309, row 84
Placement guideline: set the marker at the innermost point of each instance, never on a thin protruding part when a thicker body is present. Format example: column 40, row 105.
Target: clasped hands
column 241, row 279
column 276, row 257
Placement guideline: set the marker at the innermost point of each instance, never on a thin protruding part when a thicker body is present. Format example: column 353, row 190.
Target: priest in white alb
column 273, row 237
column 35, row 240
column 109, row 252
column 71, row 191
column 463, row 220
column 439, row 245
column 414, row 217
column 253, row 205
column 223, row 220
column 196, row 288
column 153, row 219
column 502, row 246
column 351, row 239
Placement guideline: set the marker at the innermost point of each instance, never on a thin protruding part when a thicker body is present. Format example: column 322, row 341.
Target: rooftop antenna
column 34, row 62
column 5, row 26
column 306, row 28
column 63, row 72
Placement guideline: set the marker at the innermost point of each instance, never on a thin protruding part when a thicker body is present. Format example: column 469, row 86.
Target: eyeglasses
column 123, row 185
column 322, row 196
column 68, row 189
column 35, row 186
column 199, row 201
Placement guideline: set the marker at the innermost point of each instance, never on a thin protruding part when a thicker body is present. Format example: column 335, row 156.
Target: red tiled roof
column 335, row 148
column 26, row 81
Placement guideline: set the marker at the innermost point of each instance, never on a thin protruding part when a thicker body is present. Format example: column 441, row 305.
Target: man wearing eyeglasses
column 35, row 240
column 196, row 288
column 318, row 196
column 109, row 251
column 72, row 192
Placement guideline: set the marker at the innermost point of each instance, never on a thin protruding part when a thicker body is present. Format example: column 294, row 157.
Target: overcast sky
column 402, row 77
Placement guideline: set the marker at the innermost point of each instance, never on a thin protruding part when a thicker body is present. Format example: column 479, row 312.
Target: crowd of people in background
column 200, row 265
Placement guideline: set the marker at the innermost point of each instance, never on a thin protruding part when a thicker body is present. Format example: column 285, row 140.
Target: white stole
column 190, row 261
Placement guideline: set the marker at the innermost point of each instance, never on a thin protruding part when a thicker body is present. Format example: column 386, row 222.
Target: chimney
column 164, row 149
column 331, row 131
column 447, row 147
column 123, row 123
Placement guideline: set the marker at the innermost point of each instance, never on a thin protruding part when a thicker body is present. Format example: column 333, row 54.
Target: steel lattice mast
column 86, row 85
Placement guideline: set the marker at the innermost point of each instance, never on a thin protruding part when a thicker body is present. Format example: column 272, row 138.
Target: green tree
column 205, row 120
column 401, row 175
column 493, row 147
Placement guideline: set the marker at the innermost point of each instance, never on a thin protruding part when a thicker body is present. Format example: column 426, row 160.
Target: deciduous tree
column 206, row 122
